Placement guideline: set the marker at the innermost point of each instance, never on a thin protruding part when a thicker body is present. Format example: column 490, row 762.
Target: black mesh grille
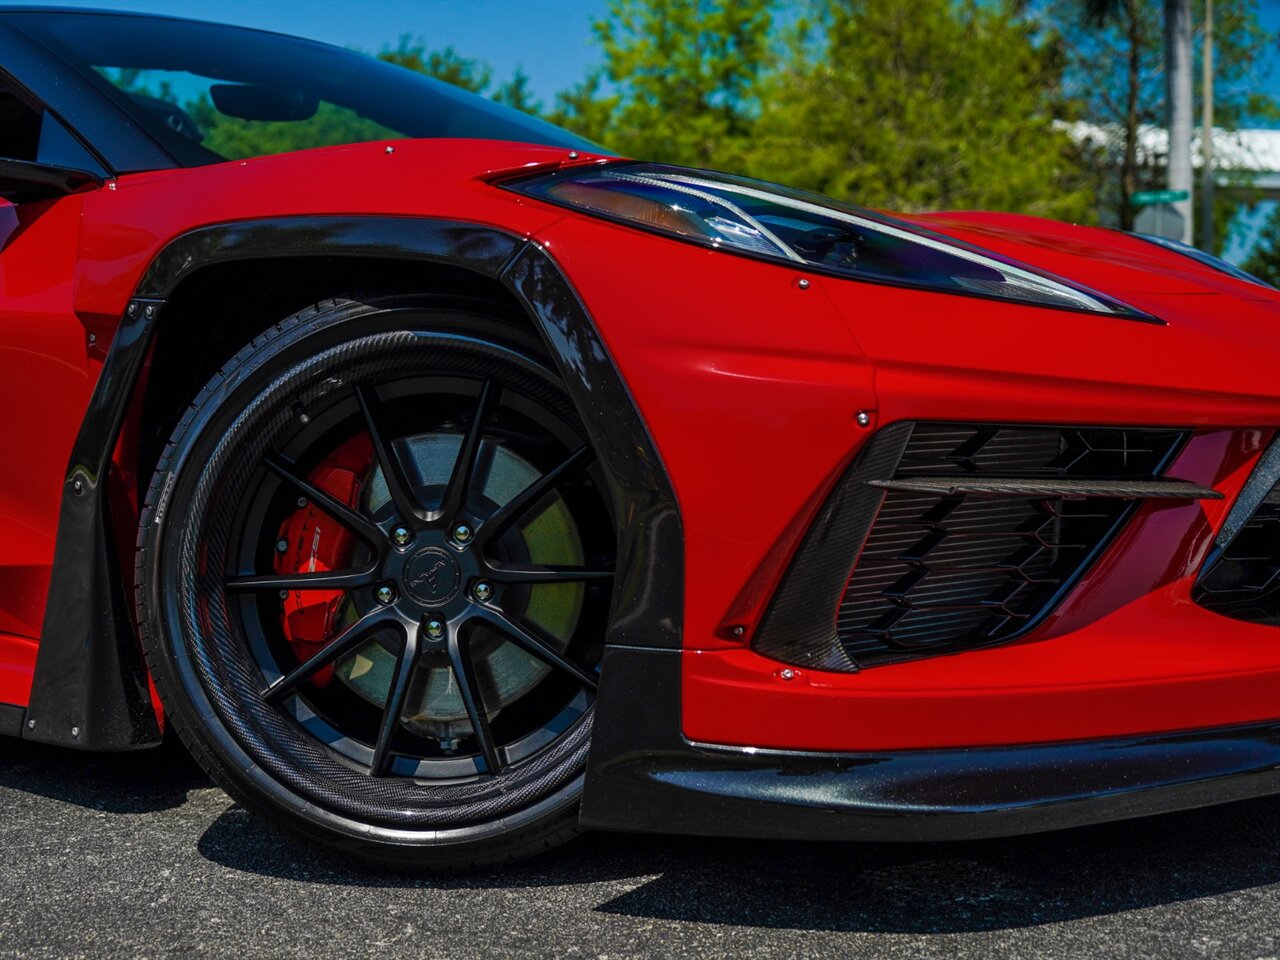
column 942, row 572
column 992, row 450
column 1243, row 581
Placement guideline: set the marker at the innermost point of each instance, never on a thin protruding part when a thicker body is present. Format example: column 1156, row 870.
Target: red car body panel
column 750, row 385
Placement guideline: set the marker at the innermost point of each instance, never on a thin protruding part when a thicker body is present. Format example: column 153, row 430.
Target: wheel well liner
column 90, row 688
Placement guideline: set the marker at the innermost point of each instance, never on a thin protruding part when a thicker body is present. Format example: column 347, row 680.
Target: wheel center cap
column 432, row 577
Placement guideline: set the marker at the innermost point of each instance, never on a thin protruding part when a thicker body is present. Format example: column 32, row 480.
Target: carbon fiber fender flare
column 90, row 689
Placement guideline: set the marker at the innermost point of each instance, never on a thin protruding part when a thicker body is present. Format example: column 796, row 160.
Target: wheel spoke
column 516, row 507
column 398, row 484
column 464, row 673
column 320, row 580
column 533, row 645
column 464, row 467
column 336, row 648
column 360, row 525
column 539, row 574
column 407, row 660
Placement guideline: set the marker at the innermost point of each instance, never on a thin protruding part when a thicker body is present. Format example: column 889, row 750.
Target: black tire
column 312, row 760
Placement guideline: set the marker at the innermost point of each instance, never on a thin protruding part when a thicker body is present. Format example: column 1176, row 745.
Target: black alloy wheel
column 375, row 571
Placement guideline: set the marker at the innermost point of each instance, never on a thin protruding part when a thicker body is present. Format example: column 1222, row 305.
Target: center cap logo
column 432, row 577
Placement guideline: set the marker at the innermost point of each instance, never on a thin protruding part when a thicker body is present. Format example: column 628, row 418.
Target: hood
column 1113, row 262
column 1211, row 361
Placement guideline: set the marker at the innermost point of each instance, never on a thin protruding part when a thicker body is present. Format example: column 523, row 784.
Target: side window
column 36, row 136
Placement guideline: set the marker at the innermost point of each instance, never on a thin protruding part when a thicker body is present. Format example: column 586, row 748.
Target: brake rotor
column 314, row 542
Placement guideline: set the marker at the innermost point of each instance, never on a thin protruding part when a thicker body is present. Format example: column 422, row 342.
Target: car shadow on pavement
column 143, row 781
column 902, row 888
column 961, row 887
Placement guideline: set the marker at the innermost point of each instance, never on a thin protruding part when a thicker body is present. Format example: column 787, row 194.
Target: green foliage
column 681, row 80
column 516, row 93
column 1264, row 261
column 235, row 139
column 447, row 64
column 919, row 106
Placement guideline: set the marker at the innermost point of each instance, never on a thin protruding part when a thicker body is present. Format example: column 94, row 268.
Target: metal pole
column 1206, row 135
column 1178, row 67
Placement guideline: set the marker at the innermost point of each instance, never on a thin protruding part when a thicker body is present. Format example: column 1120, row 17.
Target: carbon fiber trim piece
column 1119, row 489
column 799, row 626
column 1264, row 481
column 648, row 599
column 89, row 675
column 11, row 718
column 1241, row 577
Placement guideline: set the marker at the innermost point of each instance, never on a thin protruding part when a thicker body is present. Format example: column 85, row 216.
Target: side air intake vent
column 1242, row 576
column 969, row 536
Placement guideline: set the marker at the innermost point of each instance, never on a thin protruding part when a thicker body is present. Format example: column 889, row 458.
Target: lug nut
column 400, row 536
column 435, row 628
column 462, row 533
column 384, row 594
column 482, row 591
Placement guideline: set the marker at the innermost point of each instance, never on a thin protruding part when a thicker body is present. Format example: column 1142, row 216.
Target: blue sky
column 550, row 39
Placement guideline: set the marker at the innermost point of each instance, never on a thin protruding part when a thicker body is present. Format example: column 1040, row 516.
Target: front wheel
column 374, row 576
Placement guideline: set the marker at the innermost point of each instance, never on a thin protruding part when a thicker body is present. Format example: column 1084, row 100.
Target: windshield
column 209, row 93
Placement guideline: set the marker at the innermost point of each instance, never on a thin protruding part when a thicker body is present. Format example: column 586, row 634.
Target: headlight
column 774, row 222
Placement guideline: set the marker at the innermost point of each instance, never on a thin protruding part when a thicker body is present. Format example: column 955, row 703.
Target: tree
column 682, row 78
column 447, row 64
column 1113, row 50
column 1264, row 261
column 932, row 104
column 1114, row 77
column 516, row 93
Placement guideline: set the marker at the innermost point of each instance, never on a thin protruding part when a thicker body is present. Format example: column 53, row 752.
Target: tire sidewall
column 186, row 700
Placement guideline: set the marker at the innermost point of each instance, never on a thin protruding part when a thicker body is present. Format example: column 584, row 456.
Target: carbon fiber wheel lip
column 212, row 464
column 441, row 577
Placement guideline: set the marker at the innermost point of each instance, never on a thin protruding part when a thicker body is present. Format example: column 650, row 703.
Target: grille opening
column 993, row 450
column 1243, row 582
column 962, row 571
column 943, row 572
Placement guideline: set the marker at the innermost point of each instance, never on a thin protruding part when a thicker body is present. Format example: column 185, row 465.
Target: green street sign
column 1143, row 197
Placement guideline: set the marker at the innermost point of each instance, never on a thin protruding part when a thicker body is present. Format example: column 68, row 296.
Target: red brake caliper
column 314, row 541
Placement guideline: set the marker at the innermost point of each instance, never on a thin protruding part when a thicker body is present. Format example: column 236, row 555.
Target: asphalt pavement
column 139, row 856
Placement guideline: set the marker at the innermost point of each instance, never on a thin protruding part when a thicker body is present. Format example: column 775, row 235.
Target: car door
column 45, row 370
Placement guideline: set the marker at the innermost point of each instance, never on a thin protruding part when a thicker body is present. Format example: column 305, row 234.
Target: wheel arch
column 91, row 689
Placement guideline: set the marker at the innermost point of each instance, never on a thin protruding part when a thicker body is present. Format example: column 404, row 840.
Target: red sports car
column 450, row 486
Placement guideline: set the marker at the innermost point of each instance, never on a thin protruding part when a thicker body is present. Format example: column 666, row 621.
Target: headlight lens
column 767, row 220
